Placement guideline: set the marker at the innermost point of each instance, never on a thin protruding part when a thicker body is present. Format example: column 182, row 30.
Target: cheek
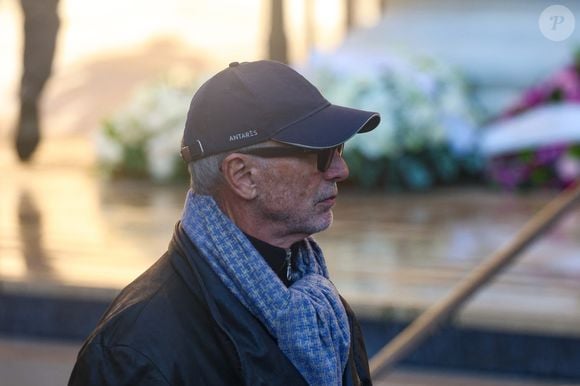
column 303, row 184
column 291, row 184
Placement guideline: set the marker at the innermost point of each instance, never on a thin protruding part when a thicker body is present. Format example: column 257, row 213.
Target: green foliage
column 414, row 170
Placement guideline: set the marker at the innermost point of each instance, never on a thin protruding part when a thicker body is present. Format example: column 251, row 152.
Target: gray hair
column 206, row 176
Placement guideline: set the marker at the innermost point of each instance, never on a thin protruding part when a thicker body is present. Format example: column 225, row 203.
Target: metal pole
column 277, row 46
column 349, row 15
column 310, row 23
column 429, row 320
column 383, row 6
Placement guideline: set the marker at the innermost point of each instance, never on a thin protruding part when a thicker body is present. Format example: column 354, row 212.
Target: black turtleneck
column 276, row 257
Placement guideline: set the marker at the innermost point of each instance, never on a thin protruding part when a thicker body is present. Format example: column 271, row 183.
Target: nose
column 338, row 170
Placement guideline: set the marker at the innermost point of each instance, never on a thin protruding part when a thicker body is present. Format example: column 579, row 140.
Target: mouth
column 330, row 200
column 328, row 196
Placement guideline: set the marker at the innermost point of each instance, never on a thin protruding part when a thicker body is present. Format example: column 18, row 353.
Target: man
column 242, row 297
column 41, row 23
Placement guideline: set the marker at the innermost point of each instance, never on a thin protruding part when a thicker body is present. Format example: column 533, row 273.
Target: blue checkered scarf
column 307, row 319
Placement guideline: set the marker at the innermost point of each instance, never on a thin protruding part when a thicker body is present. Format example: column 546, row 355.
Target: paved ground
column 33, row 363
column 49, row 363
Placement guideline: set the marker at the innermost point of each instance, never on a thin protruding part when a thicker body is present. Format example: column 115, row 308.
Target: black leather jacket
column 177, row 324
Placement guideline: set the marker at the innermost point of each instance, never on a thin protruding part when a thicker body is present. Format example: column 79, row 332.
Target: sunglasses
column 325, row 156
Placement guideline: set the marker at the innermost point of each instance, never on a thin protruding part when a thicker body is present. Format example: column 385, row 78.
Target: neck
column 265, row 234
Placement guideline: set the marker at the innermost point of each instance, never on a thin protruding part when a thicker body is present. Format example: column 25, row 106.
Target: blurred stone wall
column 496, row 43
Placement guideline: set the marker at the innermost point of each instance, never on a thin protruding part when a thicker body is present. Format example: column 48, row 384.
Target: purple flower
column 548, row 166
column 508, row 173
column 549, row 154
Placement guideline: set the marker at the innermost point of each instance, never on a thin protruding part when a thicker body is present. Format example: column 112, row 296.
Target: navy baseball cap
column 252, row 102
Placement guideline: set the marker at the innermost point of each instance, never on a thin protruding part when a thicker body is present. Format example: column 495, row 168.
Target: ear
column 237, row 171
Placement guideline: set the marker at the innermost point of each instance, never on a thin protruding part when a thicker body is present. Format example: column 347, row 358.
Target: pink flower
column 568, row 81
column 568, row 169
column 532, row 97
column 565, row 82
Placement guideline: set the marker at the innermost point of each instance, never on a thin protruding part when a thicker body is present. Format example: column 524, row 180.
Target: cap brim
column 328, row 127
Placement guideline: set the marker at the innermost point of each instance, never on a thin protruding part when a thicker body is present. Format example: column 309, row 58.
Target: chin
column 324, row 222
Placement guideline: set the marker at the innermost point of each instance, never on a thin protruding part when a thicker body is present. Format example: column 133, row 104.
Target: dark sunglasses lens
column 326, row 156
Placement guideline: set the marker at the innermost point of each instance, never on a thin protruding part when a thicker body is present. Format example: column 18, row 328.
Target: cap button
column 234, row 64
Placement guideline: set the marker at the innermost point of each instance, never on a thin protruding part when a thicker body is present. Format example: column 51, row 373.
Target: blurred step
column 49, row 363
column 33, row 363
column 422, row 377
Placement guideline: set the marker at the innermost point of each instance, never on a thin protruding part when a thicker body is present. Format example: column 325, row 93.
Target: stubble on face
column 295, row 197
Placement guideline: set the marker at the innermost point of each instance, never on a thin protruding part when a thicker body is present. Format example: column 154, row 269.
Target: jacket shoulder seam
column 131, row 348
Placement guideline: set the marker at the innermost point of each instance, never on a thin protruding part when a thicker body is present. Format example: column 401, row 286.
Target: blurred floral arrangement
column 536, row 142
column 142, row 140
column 427, row 135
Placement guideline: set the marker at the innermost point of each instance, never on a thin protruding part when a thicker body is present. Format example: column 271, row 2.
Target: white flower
column 162, row 154
column 417, row 100
column 108, row 151
column 152, row 121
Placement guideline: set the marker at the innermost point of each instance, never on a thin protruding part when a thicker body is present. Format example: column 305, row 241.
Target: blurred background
column 480, row 107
